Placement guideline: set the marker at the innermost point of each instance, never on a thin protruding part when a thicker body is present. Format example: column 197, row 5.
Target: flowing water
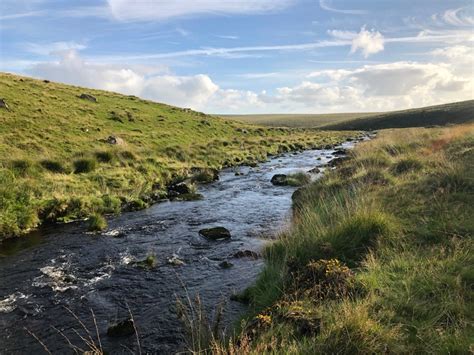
column 62, row 268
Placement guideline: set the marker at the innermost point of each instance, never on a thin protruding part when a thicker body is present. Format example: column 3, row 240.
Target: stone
column 279, row 180
column 3, row 104
column 88, row 97
column 246, row 254
column 215, row 233
column 225, row 265
column 115, row 140
column 122, row 328
column 315, row 170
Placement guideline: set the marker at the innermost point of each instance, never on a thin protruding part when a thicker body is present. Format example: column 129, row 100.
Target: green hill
column 298, row 120
column 439, row 115
column 68, row 153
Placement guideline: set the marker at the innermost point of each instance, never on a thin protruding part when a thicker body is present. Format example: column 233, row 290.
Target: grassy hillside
column 379, row 257
column 298, row 120
column 439, row 115
column 57, row 162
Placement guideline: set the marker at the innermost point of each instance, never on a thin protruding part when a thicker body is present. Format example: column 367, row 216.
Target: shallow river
column 63, row 266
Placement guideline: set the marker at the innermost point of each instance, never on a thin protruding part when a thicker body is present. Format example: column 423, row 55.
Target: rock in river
column 280, row 180
column 215, row 233
column 246, row 254
column 122, row 328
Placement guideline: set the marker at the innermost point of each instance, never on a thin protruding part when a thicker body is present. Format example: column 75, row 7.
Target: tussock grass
column 403, row 247
column 56, row 147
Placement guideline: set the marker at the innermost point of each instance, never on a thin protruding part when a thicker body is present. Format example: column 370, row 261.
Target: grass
column 57, row 162
column 453, row 113
column 439, row 115
column 298, row 120
column 378, row 258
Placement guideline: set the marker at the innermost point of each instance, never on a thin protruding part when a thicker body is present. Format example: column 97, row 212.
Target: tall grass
column 398, row 218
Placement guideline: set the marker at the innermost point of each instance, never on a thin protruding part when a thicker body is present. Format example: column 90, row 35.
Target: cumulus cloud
column 138, row 10
column 368, row 42
column 446, row 77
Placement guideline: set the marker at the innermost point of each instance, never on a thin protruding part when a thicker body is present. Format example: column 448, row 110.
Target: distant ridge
column 439, row 115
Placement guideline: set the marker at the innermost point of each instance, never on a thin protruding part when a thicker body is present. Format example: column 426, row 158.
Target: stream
column 63, row 267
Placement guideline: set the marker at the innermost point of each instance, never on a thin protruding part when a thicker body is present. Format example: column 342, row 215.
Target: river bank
column 378, row 257
column 63, row 265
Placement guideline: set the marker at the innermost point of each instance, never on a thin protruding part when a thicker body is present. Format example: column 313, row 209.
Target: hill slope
column 64, row 157
column 298, row 120
column 439, row 115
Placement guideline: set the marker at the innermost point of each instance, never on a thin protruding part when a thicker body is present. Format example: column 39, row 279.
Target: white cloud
column 368, row 42
column 326, row 5
column 458, row 17
column 53, row 48
column 446, row 77
column 139, row 10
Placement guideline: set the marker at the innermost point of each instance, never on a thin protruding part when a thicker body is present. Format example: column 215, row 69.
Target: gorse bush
column 84, row 165
column 53, row 166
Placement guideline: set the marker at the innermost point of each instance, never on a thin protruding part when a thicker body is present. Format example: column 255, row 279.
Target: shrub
column 406, row 165
column 84, row 166
column 97, row 223
column 104, row 157
column 53, row 166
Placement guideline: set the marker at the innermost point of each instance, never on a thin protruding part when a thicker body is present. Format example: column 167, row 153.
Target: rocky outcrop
column 246, row 254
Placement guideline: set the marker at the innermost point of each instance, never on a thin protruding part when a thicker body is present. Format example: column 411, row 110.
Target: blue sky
column 249, row 56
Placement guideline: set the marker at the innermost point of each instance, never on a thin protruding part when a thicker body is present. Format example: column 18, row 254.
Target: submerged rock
column 279, row 180
column 340, row 151
column 215, row 233
column 122, row 328
column 174, row 260
column 226, row 265
column 246, row 254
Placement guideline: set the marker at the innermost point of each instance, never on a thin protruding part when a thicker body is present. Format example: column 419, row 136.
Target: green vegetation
column 97, row 223
column 379, row 257
column 299, row 120
column 63, row 157
column 439, row 115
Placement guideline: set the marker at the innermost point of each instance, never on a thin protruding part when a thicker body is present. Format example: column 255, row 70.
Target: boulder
column 115, row 140
column 3, row 104
column 279, row 180
column 246, row 254
column 337, row 161
column 315, row 170
column 215, row 233
column 180, row 188
column 340, row 151
column 122, row 328
column 88, row 97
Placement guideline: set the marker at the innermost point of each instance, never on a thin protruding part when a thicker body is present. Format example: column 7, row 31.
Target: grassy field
column 298, row 120
column 57, row 162
column 379, row 256
column 453, row 113
column 439, row 115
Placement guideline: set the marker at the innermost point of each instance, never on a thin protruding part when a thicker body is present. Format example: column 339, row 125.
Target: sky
column 249, row 56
